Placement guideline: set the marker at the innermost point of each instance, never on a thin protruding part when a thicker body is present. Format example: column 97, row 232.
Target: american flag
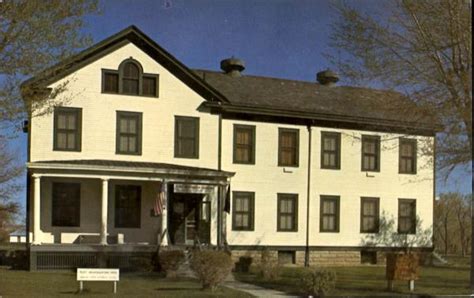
column 160, row 200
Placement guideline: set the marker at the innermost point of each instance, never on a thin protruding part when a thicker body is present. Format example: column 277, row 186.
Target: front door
column 190, row 219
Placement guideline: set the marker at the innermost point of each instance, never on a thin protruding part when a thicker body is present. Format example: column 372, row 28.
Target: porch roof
column 131, row 167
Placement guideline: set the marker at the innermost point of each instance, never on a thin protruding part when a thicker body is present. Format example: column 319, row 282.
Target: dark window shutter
column 111, row 82
column 149, row 86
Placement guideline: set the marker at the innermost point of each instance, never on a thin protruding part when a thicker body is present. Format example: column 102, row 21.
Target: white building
column 18, row 236
column 311, row 167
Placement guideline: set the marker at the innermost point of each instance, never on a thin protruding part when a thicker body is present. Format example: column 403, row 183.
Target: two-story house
column 141, row 152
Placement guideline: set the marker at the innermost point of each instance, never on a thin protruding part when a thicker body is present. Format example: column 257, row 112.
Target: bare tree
column 9, row 187
column 443, row 212
column 388, row 235
column 33, row 35
column 462, row 212
column 421, row 48
column 452, row 227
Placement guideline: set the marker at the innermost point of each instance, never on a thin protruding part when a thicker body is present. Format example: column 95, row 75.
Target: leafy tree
column 421, row 48
column 33, row 35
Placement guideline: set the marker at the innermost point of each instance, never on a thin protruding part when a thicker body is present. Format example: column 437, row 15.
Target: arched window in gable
column 129, row 79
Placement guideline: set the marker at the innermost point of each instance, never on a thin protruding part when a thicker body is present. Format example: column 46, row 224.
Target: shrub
column 170, row 260
column 269, row 269
column 211, row 267
column 143, row 264
column 318, row 282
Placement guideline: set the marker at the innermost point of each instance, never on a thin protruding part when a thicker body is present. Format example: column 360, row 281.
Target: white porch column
column 104, row 211
column 37, row 209
column 164, row 218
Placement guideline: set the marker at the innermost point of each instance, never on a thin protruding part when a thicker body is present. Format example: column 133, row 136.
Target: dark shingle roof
column 301, row 99
column 313, row 98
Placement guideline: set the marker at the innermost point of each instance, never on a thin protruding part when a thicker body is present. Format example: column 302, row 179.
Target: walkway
column 252, row 289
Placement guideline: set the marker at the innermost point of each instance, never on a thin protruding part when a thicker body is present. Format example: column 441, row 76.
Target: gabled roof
column 138, row 38
column 262, row 95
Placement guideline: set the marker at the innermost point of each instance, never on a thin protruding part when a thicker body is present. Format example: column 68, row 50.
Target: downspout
column 308, row 200
column 219, row 192
column 219, row 144
column 28, row 187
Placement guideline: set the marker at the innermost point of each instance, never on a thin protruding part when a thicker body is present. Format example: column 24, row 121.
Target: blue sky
column 277, row 38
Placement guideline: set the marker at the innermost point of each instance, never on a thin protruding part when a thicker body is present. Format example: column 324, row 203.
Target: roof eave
column 432, row 129
column 122, row 169
column 130, row 34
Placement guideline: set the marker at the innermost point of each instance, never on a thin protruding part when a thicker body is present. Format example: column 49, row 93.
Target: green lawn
column 370, row 281
column 45, row 284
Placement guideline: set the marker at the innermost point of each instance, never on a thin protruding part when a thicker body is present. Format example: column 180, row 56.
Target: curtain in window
column 242, row 212
column 329, row 154
column 329, row 215
column 128, row 134
column 66, row 130
column 243, row 145
column 287, row 213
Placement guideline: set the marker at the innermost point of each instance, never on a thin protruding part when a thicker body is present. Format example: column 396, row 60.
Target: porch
column 105, row 212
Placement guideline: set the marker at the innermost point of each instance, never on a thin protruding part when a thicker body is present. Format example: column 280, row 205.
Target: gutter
column 247, row 109
column 77, row 167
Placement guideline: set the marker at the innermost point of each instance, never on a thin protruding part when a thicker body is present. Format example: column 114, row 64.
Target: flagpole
column 164, row 215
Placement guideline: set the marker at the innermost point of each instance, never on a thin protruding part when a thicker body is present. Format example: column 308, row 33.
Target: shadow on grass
column 177, row 289
column 144, row 275
column 286, row 285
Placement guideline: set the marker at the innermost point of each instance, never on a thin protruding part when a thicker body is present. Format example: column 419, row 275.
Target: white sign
column 193, row 188
column 92, row 274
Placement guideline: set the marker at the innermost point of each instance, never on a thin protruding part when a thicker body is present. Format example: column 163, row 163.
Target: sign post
column 93, row 274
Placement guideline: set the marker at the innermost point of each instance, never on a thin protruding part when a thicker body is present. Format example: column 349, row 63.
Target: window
column 110, row 81
column 66, row 205
column 127, row 206
column 129, row 133
column 286, row 257
column 406, row 216
column 330, row 150
column 329, row 217
column 287, row 213
column 149, row 86
column 369, row 215
column 243, row 211
column 186, row 137
column 368, row 257
column 244, row 144
column 407, row 156
column 129, row 79
column 288, row 147
column 67, row 129
column 371, row 153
